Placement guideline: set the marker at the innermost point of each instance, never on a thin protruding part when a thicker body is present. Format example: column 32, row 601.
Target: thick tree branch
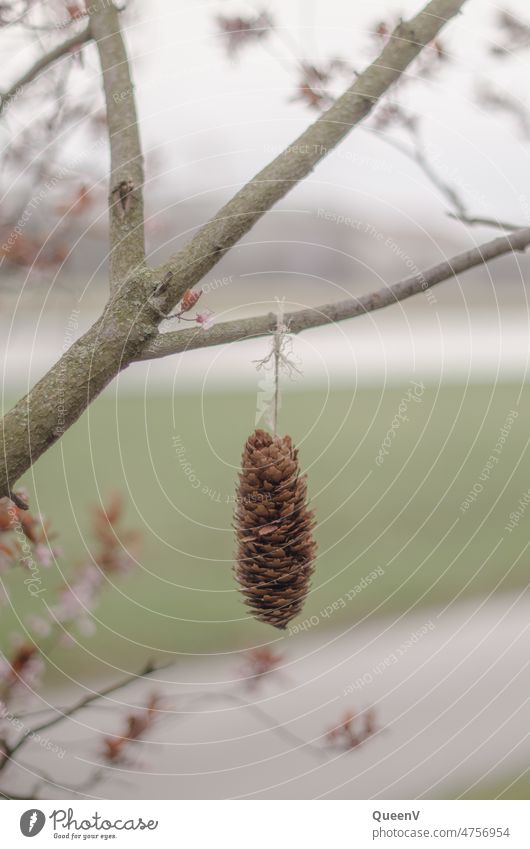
column 234, row 331
column 237, row 217
column 127, row 245
column 39, row 419
column 44, row 62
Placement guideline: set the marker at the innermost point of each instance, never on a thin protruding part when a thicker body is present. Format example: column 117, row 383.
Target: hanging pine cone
column 276, row 549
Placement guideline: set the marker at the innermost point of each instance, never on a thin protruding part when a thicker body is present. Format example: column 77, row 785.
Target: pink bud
column 205, row 319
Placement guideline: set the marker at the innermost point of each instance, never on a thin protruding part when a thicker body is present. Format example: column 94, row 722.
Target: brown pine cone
column 276, row 549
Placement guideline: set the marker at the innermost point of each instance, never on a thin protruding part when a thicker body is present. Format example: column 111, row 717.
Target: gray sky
column 213, row 123
column 208, row 123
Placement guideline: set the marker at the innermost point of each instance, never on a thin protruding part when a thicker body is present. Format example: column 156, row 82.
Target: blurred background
column 434, row 645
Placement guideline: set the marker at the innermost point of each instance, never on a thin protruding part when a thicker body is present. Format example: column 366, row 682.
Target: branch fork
column 142, row 297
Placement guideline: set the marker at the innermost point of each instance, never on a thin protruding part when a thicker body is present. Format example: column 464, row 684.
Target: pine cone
column 276, row 549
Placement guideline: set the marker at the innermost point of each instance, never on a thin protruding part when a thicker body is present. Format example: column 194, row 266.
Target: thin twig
column 476, row 220
column 264, row 717
column 44, row 62
column 459, row 212
column 418, row 155
column 148, row 670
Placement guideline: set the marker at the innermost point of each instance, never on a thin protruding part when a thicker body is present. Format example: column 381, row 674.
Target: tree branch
column 459, row 212
column 148, row 670
column 127, row 243
column 419, row 156
column 237, row 217
column 176, row 342
column 139, row 301
column 43, row 62
column 477, row 220
column 41, row 417
column 265, row 718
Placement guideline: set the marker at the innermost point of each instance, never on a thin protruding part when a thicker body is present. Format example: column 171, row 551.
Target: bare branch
column 185, row 707
column 148, row 670
column 44, row 62
column 237, row 217
column 476, row 220
column 127, row 245
column 418, row 155
column 234, row 331
column 264, row 717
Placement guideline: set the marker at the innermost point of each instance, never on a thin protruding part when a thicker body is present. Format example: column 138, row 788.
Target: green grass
column 511, row 787
column 403, row 516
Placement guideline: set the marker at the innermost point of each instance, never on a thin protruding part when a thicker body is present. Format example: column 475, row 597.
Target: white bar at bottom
column 268, row 824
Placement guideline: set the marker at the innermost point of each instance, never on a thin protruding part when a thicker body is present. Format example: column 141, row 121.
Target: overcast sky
column 213, row 122
column 209, row 123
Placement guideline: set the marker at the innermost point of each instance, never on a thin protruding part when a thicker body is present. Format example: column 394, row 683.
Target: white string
column 279, row 359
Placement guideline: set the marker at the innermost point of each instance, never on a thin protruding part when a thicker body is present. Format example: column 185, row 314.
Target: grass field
column 511, row 787
column 404, row 516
